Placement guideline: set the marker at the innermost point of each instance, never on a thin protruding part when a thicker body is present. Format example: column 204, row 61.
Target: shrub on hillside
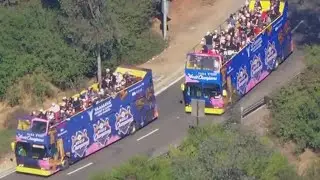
column 5, row 140
column 230, row 154
column 30, row 42
column 119, row 33
column 295, row 108
column 38, row 40
column 313, row 171
column 210, row 152
column 138, row 168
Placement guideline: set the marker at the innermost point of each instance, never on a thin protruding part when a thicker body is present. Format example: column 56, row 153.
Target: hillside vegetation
column 57, row 42
column 211, row 152
column 296, row 107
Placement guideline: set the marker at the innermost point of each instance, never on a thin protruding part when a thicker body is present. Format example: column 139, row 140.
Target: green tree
column 87, row 24
column 30, row 43
column 295, row 108
column 234, row 155
column 132, row 21
column 211, row 152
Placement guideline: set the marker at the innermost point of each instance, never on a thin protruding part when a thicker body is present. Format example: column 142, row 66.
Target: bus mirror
column 224, row 93
column 13, row 145
column 182, row 87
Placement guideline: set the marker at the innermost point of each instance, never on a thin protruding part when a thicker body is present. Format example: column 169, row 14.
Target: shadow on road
column 309, row 13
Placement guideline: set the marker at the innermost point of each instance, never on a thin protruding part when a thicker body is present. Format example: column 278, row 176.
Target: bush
column 33, row 86
column 30, row 42
column 210, row 152
column 45, row 42
column 123, row 29
column 5, row 140
column 40, row 88
column 139, row 168
column 295, row 108
column 13, row 96
column 313, row 172
column 146, row 45
column 231, row 155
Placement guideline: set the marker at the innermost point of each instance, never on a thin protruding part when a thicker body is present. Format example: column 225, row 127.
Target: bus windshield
column 211, row 90
column 202, row 62
column 206, row 91
column 39, row 127
column 34, row 151
column 193, row 90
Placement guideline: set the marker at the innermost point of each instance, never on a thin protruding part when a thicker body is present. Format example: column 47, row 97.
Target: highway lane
column 170, row 128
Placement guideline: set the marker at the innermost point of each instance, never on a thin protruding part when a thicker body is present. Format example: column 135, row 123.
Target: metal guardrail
column 253, row 107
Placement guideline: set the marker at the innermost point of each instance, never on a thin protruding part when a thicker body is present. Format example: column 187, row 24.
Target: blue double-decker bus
column 220, row 80
column 43, row 147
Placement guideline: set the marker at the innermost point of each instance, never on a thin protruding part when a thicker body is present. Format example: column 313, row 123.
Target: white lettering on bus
column 202, row 77
column 103, row 108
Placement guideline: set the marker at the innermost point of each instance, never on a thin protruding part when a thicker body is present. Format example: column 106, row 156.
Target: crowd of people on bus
column 111, row 84
column 241, row 29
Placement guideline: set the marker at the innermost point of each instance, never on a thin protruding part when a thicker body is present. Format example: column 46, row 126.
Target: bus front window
column 38, row 152
column 211, row 91
column 34, row 151
column 202, row 62
column 194, row 90
column 39, row 127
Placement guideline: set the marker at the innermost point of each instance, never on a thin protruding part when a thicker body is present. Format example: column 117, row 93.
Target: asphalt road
column 170, row 128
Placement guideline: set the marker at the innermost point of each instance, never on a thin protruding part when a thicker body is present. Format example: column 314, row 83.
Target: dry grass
column 260, row 121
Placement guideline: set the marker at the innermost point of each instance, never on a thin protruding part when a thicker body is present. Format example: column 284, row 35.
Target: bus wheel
column 133, row 128
column 276, row 64
column 65, row 163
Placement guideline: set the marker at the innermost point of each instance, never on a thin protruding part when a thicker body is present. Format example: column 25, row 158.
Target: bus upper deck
column 235, row 58
column 49, row 141
column 240, row 29
column 112, row 84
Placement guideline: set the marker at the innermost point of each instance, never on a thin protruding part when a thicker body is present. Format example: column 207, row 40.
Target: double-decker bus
column 43, row 147
column 222, row 79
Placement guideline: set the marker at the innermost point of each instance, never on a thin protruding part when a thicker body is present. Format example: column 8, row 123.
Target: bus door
column 192, row 91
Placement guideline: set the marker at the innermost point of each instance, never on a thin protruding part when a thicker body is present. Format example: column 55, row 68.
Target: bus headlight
column 224, row 93
column 13, row 146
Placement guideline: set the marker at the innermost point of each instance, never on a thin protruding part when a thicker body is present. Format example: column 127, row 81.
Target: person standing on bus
column 21, row 151
column 208, row 40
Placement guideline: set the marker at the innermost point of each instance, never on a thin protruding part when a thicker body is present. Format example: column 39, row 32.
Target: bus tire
column 133, row 128
column 276, row 64
column 65, row 163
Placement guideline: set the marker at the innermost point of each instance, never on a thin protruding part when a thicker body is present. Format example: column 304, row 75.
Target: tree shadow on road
column 308, row 33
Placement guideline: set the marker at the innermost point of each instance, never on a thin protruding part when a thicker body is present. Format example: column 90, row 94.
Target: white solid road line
column 82, row 167
column 171, row 84
column 7, row 173
column 297, row 26
column 142, row 137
